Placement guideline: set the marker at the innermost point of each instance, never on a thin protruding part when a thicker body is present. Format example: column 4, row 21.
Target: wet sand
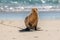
column 9, row 30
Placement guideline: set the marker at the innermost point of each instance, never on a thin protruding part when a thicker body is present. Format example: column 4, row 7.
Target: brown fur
column 32, row 20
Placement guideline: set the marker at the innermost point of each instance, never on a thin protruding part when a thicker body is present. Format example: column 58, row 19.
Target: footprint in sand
column 13, row 38
column 35, row 36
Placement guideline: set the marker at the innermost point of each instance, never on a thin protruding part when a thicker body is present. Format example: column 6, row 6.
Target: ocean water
column 19, row 9
column 43, row 15
column 30, row 2
column 19, row 5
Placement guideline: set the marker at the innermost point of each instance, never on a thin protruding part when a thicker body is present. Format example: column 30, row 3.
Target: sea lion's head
column 34, row 10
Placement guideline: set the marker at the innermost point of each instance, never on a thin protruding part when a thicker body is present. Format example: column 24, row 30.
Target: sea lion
column 31, row 21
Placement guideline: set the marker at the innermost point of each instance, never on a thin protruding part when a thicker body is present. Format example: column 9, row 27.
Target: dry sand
column 9, row 30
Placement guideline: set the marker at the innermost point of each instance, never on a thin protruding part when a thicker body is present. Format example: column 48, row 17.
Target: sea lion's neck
column 34, row 13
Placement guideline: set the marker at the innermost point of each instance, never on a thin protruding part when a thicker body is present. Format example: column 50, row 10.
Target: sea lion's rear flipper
column 24, row 30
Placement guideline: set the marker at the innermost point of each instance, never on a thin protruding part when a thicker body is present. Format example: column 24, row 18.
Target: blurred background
column 19, row 9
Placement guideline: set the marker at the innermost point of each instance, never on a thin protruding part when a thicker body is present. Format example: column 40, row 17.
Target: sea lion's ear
column 35, row 8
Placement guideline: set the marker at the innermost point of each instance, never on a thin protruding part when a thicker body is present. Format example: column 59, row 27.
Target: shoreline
column 44, row 10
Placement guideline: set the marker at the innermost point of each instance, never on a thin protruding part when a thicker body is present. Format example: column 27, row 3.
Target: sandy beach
column 9, row 30
column 13, row 13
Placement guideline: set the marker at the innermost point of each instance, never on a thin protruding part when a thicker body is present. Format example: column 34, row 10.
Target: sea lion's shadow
column 28, row 30
column 25, row 30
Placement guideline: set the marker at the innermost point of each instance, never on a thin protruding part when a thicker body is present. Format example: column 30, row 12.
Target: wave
column 26, row 5
column 28, row 8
